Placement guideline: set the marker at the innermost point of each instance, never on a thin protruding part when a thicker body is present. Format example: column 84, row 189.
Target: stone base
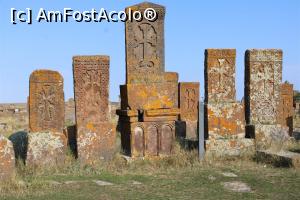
column 96, row 142
column 229, row 147
column 268, row 136
column 187, row 129
column 7, row 159
column 279, row 159
column 149, row 96
column 225, row 119
column 148, row 139
column 46, row 149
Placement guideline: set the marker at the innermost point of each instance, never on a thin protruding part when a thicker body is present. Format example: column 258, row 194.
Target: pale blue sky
column 190, row 27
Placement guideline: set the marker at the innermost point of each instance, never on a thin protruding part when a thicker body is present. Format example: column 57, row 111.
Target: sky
column 191, row 26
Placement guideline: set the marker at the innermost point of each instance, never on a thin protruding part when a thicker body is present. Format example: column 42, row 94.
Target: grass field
column 178, row 177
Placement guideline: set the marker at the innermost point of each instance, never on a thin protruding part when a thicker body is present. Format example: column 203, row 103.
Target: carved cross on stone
column 147, row 40
column 46, row 103
column 190, row 96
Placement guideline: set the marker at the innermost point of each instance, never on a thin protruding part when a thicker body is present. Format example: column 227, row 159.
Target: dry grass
column 181, row 176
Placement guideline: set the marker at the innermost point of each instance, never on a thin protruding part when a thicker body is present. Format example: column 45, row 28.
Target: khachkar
column 149, row 100
column 187, row 126
column 46, row 141
column 95, row 134
column 286, row 108
column 224, row 117
column 263, row 75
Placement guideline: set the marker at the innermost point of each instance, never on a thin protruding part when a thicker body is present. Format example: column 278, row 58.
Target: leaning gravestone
column 46, row 141
column 95, row 134
column 7, row 159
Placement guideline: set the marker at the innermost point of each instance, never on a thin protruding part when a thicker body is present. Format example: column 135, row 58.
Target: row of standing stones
column 155, row 107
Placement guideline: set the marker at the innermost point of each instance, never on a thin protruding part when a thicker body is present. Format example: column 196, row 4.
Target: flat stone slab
column 229, row 174
column 279, row 159
column 236, row 186
column 102, row 183
column 136, row 183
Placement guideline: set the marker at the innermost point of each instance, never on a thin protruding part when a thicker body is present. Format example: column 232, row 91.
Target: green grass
column 178, row 177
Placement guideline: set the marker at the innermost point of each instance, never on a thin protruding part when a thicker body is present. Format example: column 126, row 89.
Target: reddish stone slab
column 144, row 43
column 189, row 101
column 286, row 109
column 148, row 139
column 220, row 75
column 46, row 101
column 95, row 135
column 263, row 75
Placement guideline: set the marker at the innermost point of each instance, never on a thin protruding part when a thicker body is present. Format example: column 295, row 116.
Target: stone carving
column 145, row 43
column 46, row 101
column 263, row 75
column 224, row 119
column 95, row 134
column 187, row 127
column 220, row 75
column 150, row 97
column 262, row 85
column 47, row 144
column 286, row 109
column 149, row 138
column 189, row 100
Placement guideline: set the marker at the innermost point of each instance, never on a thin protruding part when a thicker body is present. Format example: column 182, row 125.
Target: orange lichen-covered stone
column 7, row 159
column 46, row 101
column 150, row 96
column 225, row 120
column 220, row 75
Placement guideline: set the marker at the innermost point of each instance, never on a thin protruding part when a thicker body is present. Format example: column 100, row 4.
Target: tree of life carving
column 190, row 99
column 46, row 103
column 145, row 39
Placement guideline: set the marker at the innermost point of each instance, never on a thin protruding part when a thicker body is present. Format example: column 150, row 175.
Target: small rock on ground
column 236, row 186
column 102, row 183
column 229, row 174
column 136, row 183
column 211, row 178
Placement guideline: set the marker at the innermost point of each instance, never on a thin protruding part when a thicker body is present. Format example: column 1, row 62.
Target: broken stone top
column 145, row 43
column 220, row 75
column 264, row 55
column 46, row 76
